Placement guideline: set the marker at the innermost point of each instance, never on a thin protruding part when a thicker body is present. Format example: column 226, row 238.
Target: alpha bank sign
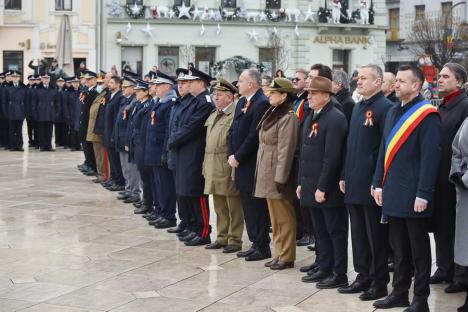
column 336, row 39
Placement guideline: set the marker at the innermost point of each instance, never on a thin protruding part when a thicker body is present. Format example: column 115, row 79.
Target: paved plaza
column 66, row 244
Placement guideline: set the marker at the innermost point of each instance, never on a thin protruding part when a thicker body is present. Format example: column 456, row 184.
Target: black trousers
column 116, row 174
column 15, row 129
column 409, row 236
column 45, row 135
column 165, row 192
column 200, row 210
column 32, row 132
column 185, row 214
column 147, row 185
column 88, row 152
column 257, row 220
column 370, row 244
column 4, row 137
column 75, row 144
column 331, row 240
column 59, row 133
column 444, row 237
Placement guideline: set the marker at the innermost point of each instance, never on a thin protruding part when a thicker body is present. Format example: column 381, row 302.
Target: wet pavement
column 66, row 244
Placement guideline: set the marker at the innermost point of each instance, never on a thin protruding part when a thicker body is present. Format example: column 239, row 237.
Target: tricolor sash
column 403, row 129
column 299, row 110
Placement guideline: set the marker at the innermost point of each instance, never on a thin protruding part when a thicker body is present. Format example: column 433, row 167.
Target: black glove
column 280, row 187
column 457, row 180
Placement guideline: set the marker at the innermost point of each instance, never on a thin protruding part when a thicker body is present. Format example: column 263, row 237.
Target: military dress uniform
column 274, row 175
column 219, row 176
column 60, row 115
column 46, row 107
column 15, row 98
column 156, row 155
column 189, row 143
column 4, row 137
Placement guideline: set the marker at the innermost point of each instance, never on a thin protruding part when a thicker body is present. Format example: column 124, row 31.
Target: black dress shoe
column 165, row 224
column 307, row 268
column 215, row 245
column 355, row 287
column 149, row 215
column 391, row 301
column 333, row 281
column 316, row 269
column 417, row 306
column 123, row 193
column 137, row 204
column 316, row 277
column 185, row 232
column 271, row 262
column 90, row 173
column 156, row 221
column 258, row 255
column 243, row 254
column 123, row 197
column 391, row 267
column 198, row 241
column 116, row 188
column 464, row 308
column 374, row 293
column 132, row 199
column 188, row 237
column 438, row 279
column 455, row 288
column 304, row 241
column 281, row 265
column 143, row 209
column 175, row 230
column 231, row 248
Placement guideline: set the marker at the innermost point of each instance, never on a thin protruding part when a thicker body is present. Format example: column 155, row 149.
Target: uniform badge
column 153, row 118
column 314, row 129
column 369, row 119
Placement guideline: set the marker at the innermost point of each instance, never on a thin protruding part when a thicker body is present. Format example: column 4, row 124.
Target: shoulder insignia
column 208, row 98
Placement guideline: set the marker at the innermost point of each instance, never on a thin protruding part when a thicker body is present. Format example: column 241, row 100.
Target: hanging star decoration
column 262, row 17
column 184, row 11
column 171, row 14
column 148, row 30
column 196, row 13
column 202, row 30
column 253, row 35
column 135, row 9
column 296, row 30
column 128, row 29
column 309, row 15
column 212, row 15
column 218, row 29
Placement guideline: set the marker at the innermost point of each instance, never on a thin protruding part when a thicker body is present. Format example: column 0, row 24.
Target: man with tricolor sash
column 403, row 185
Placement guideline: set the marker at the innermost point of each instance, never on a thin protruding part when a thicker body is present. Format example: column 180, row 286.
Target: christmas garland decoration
column 129, row 10
column 238, row 62
column 175, row 8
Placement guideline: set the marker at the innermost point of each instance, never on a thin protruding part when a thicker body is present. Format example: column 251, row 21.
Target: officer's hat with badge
column 141, row 85
column 224, row 85
column 195, row 74
column 162, row 78
column 181, row 73
column 127, row 73
column 128, row 82
column 15, row 73
column 87, row 74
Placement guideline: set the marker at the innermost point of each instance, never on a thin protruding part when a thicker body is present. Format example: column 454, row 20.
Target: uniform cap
column 195, row 74
column 281, row 85
column 224, row 85
column 162, row 78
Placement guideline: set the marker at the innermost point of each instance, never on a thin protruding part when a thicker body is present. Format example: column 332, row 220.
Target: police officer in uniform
column 189, row 142
column 61, row 111
column 30, row 109
column 4, row 138
column 46, row 106
column 15, row 97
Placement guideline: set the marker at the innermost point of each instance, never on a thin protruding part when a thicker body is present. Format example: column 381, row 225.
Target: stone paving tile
column 67, row 245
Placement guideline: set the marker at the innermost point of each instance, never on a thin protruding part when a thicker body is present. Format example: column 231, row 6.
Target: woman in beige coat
column 278, row 130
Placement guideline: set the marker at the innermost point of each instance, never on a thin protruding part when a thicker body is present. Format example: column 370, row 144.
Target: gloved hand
column 280, row 187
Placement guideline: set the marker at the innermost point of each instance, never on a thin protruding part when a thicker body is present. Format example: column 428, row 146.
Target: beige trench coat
column 216, row 170
column 275, row 157
column 93, row 112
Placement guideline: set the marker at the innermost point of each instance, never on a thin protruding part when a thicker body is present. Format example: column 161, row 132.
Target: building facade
column 29, row 30
column 161, row 33
column 401, row 17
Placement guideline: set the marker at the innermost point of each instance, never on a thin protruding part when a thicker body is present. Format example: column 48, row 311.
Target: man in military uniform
column 218, row 173
column 60, row 114
column 75, row 105
column 6, row 82
column 185, row 215
column 156, row 150
column 111, row 109
column 15, row 97
column 189, row 142
column 31, row 110
column 87, row 98
column 46, row 105
column 130, row 172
